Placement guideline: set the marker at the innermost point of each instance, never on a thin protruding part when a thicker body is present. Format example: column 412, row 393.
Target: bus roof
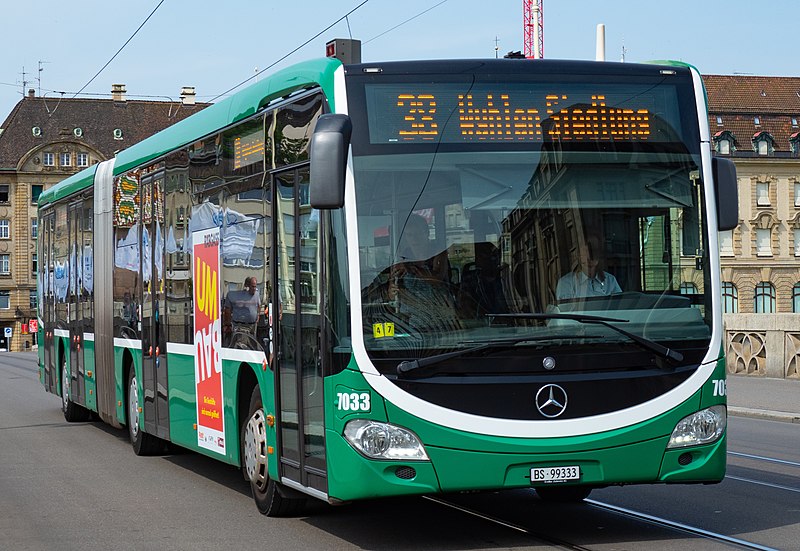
column 237, row 107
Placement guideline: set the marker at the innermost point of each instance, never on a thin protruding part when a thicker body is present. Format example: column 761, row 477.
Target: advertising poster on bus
column 207, row 340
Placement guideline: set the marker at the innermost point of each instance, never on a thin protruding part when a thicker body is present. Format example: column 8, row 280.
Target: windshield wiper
column 647, row 344
column 407, row 366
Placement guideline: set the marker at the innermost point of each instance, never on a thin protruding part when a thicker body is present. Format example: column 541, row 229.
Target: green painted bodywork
column 459, row 461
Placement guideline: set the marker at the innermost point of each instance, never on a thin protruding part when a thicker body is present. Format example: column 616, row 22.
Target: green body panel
column 183, row 403
column 90, row 384
column 459, row 460
column 707, row 465
column 351, row 476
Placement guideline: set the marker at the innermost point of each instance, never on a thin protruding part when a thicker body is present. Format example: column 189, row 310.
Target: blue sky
column 214, row 45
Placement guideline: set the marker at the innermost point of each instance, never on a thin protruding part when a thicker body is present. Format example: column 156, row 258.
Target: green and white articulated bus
column 245, row 284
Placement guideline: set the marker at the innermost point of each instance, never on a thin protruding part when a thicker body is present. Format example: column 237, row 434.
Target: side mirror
column 726, row 192
column 329, row 146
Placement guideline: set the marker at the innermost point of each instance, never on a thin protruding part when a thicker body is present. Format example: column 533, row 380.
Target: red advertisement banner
column 207, row 340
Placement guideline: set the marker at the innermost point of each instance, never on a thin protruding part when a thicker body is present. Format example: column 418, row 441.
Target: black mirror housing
column 726, row 193
column 329, row 146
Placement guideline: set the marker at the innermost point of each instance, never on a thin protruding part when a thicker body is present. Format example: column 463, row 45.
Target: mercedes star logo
column 551, row 400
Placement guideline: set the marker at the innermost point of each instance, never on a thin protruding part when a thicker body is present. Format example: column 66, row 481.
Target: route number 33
column 353, row 401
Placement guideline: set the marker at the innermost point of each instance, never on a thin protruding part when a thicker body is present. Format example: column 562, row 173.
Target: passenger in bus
column 419, row 283
column 589, row 278
column 242, row 307
column 416, row 256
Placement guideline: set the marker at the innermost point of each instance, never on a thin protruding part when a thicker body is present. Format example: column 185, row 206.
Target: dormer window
column 794, row 122
column 719, row 120
column 763, row 143
column 794, row 144
column 724, row 143
column 757, row 121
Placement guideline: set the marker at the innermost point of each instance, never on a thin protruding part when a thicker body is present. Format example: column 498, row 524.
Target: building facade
column 755, row 122
column 43, row 141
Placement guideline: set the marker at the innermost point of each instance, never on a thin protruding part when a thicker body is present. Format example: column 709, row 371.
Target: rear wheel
column 72, row 411
column 267, row 493
column 143, row 443
column 563, row 494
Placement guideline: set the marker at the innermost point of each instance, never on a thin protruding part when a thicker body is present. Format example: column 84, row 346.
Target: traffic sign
column 8, row 332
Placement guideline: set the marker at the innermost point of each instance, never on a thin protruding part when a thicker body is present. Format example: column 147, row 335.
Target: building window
column 724, row 147
column 763, row 242
column 34, row 228
column 726, row 243
column 5, row 300
column 763, row 147
column 719, row 120
column 65, row 159
column 688, row 289
column 765, row 298
column 762, row 194
column 797, row 194
column 34, row 263
column 83, row 159
column 4, row 193
column 794, row 122
column 5, row 231
column 797, row 241
column 49, row 159
column 36, row 191
column 796, row 298
column 757, row 121
column 34, row 300
column 5, row 264
column 730, row 298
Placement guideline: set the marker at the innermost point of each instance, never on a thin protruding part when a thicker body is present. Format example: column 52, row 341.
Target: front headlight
column 378, row 440
column 703, row 427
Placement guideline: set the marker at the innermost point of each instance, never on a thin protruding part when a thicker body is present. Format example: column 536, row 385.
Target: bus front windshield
column 499, row 212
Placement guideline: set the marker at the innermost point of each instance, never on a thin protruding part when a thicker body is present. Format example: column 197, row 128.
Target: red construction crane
column 533, row 28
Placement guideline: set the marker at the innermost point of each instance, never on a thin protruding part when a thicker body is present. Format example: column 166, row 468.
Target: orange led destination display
column 247, row 150
column 445, row 115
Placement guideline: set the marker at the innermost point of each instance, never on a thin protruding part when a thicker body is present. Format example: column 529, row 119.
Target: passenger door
column 153, row 301
column 299, row 369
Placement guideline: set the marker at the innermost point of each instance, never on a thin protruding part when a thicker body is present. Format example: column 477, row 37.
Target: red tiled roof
column 97, row 118
column 750, row 94
column 738, row 100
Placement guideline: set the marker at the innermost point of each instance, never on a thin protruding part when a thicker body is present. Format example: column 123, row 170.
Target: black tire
column 267, row 493
column 143, row 443
column 563, row 494
column 73, row 413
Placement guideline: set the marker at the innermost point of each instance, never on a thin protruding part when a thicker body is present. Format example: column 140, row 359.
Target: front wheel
column 142, row 442
column 563, row 494
column 267, row 493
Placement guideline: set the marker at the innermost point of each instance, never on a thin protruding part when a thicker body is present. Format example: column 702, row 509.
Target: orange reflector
column 194, row 426
column 270, row 420
column 88, row 373
column 264, row 365
column 119, row 403
column 140, row 409
column 270, row 450
column 91, row 392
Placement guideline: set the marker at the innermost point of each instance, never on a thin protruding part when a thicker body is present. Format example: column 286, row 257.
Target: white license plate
column 555, row 474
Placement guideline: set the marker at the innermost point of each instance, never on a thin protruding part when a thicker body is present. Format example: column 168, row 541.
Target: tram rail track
column 654, row 520
column 699, row 532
